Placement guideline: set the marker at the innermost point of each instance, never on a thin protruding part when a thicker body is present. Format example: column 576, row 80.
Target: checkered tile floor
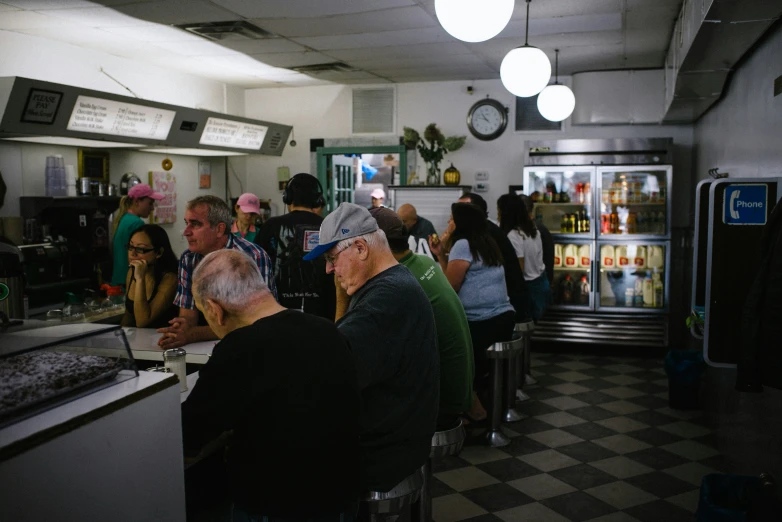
column 599, row 443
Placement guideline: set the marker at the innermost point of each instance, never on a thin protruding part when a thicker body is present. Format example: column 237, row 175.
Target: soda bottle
column 583, row 291
column 567, row 290
column 563, row 223
column 572, row 223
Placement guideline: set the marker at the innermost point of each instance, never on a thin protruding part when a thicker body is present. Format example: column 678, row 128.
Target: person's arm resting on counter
column 184, row 329
column 146, row 311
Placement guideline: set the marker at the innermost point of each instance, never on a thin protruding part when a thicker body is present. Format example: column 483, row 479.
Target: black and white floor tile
column 598, row 443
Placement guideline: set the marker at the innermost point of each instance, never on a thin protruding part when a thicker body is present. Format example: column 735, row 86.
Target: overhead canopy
column 45, row 112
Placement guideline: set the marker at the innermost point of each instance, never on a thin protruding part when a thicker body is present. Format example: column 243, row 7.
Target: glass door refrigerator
column 611, row 234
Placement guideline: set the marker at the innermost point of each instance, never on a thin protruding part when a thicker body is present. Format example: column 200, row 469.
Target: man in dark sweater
column 285, row 383
column 391, row 330
column 514, row 278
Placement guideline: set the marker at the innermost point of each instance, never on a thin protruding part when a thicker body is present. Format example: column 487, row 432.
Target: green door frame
column 323, row 153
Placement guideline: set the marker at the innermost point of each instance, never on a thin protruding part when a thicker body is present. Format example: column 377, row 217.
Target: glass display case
column 44, row 366
column 563, row 199
column 572, row 284
column 634, row 201
column 633, row 276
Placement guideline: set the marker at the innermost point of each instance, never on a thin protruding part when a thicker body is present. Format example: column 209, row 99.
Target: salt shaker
column 175, row 360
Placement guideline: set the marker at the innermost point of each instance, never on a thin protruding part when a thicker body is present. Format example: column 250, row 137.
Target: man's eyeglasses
column 333, row 259
column 138, row 250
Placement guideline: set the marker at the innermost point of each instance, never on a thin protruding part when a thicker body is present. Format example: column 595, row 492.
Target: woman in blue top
column 132, row 208
column 472, row 262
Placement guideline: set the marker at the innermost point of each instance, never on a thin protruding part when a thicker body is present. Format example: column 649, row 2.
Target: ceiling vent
column 374, row 110
column 323, row 68
column 529, row 119
column 228, row 31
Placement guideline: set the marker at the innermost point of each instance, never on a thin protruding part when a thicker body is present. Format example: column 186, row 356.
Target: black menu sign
column 41, row 106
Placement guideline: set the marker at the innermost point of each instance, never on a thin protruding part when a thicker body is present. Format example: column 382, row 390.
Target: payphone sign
column 745, row 204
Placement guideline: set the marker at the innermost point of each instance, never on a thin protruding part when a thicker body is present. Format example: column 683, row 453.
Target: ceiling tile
column 377, row 21
column 270, row 45
column 6, row 7
column 81, row 36
column 201, row 48
column 500, row 46
column 393, row 51
column 15, row 20
column 405, row 61
column 308, row 9
column 40, row 5
column 288, row 60
column 388, row 38
column 554, row 8
column 179, row 12
column 647, row 18
column 98, row 17
column 154, row 33
column 468, row 71
column 563, row 24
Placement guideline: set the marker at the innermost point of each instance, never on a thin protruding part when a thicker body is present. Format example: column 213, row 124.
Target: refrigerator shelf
column 568, row 204
column 572, row 269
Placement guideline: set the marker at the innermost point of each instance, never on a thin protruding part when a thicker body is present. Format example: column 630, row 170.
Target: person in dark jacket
column 514, row 278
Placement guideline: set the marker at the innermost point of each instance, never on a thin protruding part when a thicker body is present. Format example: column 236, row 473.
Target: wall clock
column 487, row 119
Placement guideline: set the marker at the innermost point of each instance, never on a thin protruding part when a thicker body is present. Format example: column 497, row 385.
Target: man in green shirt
column 457, row 367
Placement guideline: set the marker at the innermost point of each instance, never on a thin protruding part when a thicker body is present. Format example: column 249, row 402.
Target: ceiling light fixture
column 472, row 21
column 556, row 102
column 525, row 70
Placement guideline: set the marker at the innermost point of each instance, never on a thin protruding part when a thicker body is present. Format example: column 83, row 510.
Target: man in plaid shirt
column 207, row 229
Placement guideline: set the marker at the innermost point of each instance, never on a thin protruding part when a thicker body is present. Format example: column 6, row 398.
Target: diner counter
column 143, row 344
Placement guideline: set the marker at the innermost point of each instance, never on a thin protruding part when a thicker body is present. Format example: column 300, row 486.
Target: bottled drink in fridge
column 583, row 291
column 648, row 291
column 567, row 290
column 659, row 295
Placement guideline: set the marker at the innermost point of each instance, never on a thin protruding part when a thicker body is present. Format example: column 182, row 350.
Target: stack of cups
column 55, row 176
column 70, row 180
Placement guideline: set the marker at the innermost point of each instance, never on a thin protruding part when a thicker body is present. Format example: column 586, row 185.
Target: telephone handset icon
column 734, row 214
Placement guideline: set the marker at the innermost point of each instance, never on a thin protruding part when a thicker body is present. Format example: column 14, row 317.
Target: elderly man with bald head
column 275, row 374
column 419, row 229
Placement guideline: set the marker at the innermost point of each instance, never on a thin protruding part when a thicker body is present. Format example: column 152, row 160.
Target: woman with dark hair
column 472, row 262
column 515, row 221
column 133, row 208
column 151, row 280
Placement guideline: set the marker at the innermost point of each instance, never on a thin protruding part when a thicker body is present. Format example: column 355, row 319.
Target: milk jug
column 607, row 256
column 655, row 259
column 557, row 255
column 584, row 256
column 621, row 256
column 640, row 257
column 571, row 253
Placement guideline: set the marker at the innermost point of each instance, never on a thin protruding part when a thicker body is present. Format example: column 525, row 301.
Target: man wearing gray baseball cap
column 390, row 327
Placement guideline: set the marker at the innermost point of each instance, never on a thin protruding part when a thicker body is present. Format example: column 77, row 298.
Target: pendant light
column 473, row 20
column 525, row 70
column 556, row 102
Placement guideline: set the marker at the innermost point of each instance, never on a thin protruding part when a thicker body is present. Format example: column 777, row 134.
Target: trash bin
column 684, row 369
column 727, row 498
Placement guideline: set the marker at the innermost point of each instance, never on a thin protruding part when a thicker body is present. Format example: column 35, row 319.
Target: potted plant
column 432, row 147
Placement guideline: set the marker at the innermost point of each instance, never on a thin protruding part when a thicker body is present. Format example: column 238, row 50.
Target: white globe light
column 525, row 71
column 556, row 102
column 474, row 20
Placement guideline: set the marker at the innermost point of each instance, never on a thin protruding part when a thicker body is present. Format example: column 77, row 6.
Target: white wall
column 324, row 112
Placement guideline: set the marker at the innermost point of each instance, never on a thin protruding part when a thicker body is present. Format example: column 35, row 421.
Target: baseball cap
column 142, row 190
column 249, row 204
column 378, row 194
column 349, row 220
column 390, row 223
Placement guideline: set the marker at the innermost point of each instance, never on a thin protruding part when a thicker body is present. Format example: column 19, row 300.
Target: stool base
column 529, row 380
column 511, row 415
column 497, row 439
column 521, row 396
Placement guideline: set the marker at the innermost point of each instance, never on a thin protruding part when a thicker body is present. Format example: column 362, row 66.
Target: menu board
column 235, row 134
column 120, row 119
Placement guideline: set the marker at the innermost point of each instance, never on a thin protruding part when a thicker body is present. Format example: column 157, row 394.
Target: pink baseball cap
column 378, row 194
column 142, row 190
column 249, row 203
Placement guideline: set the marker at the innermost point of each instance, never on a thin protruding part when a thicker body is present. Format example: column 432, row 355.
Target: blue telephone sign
column 745, row 205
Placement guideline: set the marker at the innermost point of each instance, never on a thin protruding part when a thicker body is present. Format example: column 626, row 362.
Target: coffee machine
column 12, row 282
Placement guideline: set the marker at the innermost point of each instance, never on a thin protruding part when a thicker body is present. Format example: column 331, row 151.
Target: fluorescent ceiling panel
column 375, row 22
column 312, row 9
column 194, row 152
column 75, row 142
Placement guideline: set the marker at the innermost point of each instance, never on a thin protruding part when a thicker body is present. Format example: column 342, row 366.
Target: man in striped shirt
column 207, row 229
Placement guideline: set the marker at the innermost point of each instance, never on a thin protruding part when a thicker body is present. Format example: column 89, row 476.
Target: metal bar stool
column 391, row 505
column 444, row 443
column 523, row 377
column 499, row 352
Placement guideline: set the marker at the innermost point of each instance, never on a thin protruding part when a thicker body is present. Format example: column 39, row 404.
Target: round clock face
column 487, row 119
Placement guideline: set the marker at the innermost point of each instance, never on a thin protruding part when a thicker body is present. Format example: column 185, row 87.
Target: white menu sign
column 235, row 134
column 120, row 119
